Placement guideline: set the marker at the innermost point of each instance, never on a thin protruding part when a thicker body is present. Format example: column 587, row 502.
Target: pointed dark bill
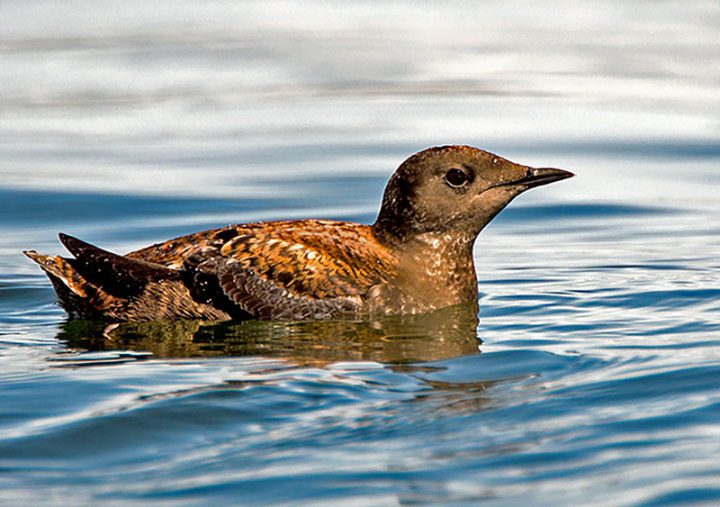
column 543, row 176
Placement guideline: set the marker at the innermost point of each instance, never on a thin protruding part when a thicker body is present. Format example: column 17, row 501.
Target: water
column 592, row 376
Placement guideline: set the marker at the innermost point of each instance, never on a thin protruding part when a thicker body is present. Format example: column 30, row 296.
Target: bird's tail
column 97, row 284
column 60, row 270
column 78, row 297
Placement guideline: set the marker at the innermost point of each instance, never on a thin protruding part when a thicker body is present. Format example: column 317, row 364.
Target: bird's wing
column 265, row 298
column 309, row 269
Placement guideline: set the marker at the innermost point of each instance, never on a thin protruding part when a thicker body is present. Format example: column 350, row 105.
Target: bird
column 417, row 257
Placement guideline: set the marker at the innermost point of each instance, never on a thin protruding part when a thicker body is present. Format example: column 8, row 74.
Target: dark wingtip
column 64, row 237
column 115, row 274
column 75, row 246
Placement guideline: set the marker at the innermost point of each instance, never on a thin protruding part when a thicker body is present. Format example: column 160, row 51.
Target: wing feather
column 292, row 269
column 266, row 299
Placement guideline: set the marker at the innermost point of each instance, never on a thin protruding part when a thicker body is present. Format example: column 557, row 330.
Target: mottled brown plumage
column 416, row 258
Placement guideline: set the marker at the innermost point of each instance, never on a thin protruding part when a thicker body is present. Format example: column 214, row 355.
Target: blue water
column 593, row 375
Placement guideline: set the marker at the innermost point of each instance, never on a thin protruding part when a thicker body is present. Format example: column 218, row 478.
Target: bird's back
column 287, row 269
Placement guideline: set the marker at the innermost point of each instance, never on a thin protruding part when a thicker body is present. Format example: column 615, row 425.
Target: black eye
column 456, row 178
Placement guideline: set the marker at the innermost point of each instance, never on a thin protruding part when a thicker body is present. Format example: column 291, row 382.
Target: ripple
column 660, row 299
column 569, row 211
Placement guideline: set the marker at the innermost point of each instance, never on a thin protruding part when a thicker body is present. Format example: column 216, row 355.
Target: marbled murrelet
column 416, row 257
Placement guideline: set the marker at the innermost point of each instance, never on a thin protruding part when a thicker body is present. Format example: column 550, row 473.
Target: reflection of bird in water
column 416, row 258
column 442, row 334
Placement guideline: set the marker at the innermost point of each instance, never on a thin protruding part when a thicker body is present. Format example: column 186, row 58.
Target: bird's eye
column 456, row 178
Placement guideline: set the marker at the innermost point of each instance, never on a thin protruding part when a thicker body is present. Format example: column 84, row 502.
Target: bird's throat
column 439, row 268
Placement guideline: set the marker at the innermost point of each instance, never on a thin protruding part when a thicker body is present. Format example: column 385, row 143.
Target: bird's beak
column 542, row 176
column 536, row 176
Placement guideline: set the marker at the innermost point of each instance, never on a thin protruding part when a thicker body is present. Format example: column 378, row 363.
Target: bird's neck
column 436, row 266
column 445, row 257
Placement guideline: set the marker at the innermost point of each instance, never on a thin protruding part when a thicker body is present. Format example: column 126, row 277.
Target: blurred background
column 128, row 123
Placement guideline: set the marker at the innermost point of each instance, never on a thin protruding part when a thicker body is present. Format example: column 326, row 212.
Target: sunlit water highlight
column 592, row 376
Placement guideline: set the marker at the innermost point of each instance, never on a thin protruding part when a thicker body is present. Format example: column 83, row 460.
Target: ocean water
column 593, row 375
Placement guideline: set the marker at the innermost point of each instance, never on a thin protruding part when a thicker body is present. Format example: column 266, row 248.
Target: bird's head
column 453, row 189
